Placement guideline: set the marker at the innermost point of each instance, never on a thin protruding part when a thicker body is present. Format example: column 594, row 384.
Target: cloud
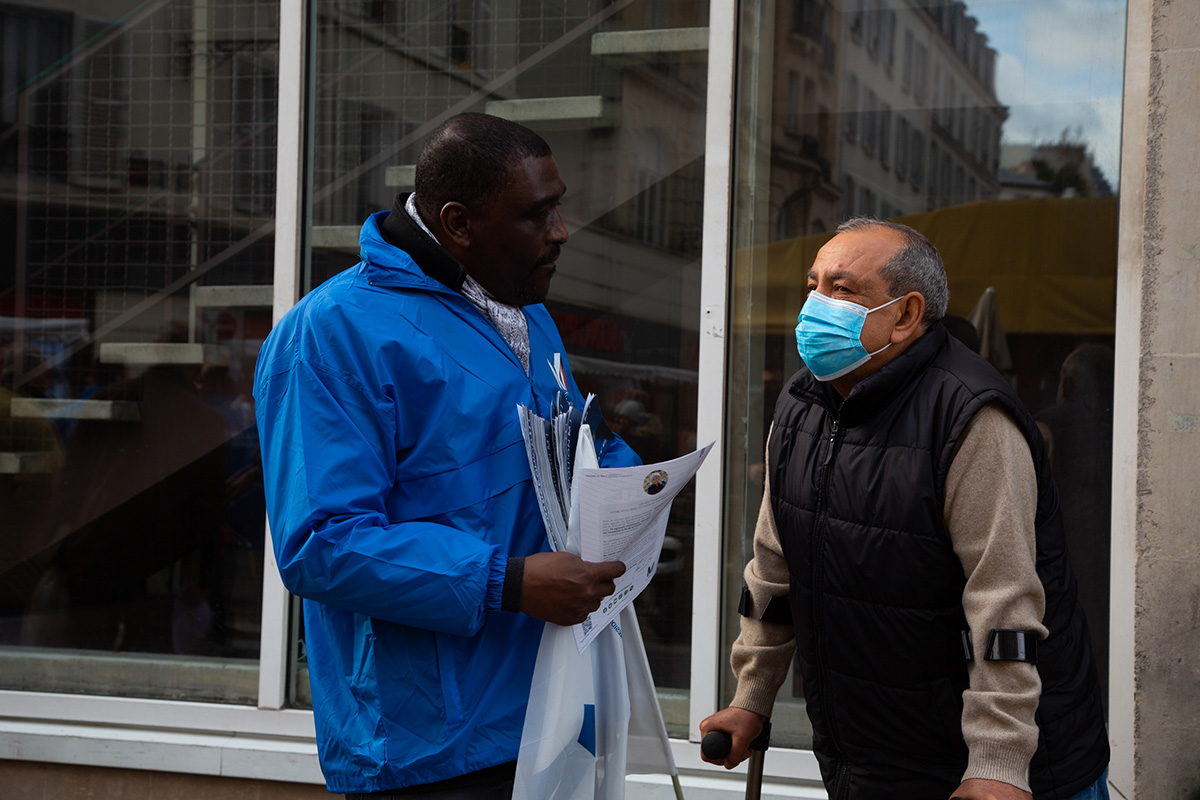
column 1082, row 42
column 1060, row 68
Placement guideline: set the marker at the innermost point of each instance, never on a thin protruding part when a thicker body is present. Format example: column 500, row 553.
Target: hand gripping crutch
column 717, row 744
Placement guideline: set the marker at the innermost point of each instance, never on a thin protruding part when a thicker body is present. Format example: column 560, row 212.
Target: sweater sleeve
column 991, row 497
column 763, row 651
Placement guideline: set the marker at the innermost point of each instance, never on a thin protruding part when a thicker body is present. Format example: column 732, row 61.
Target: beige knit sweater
column 991, row 496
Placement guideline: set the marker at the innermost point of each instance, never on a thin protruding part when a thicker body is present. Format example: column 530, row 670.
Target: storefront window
column 1006, row 118
column 618, row 91
column 137, row 160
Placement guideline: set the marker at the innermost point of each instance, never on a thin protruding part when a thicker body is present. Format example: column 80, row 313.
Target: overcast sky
column 1060, row 66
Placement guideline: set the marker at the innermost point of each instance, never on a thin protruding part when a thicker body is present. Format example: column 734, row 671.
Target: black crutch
column 717, row 744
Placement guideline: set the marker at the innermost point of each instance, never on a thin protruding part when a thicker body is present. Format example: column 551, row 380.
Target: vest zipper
column 825, row 480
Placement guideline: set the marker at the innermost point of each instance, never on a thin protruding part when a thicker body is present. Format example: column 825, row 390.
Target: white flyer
column 623, row 515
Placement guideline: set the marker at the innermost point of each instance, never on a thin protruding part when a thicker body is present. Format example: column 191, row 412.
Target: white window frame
column 271, row 742
column 267, row 741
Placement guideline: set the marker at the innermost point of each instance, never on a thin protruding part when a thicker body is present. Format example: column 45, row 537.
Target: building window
column 870, row 121
column 949, row 103
column 885, row 134
column 808, row 18
column 33, row 43
column 792, row 117
column 934, row 164
column 143, row 253
column 920, row 73
column 906, row 68
column 917, row 159
column 850, row 126
column 887, row 51
column 867, row 207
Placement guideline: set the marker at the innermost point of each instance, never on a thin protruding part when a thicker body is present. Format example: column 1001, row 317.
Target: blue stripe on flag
column 587, row 734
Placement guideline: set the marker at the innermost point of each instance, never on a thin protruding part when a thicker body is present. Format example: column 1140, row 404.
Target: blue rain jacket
column 397, row 487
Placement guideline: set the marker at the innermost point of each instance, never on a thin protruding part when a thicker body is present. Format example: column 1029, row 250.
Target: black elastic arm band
column 778, row 610
column 1008, row 645
column 514, row 576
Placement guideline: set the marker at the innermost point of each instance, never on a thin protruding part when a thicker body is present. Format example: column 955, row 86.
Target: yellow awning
column 1052, row 262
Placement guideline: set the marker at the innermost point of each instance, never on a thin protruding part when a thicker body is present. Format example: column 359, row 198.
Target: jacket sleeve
column 763, row 651
column 329, row 464
column 620, row 454
column 991, row 497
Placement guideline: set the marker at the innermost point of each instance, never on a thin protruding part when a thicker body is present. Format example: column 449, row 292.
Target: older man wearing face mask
column 909, row 551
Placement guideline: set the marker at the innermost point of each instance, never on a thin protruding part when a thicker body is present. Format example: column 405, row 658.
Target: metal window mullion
column 290, row 227
column 710, row 404
column 167, row 715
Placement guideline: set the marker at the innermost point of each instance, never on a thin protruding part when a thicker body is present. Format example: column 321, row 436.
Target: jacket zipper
column 825, row 482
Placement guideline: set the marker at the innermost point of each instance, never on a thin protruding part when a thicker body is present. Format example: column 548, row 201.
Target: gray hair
column 916, row 266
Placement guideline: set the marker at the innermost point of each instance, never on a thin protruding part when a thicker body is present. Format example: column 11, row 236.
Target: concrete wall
column 30, row 780
column 1155, row 686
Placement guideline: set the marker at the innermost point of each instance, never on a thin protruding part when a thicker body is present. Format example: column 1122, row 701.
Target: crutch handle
column 716, row 744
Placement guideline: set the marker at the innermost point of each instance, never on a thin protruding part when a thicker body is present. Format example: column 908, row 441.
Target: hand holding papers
column 593, row 716
column 623, row 517
column 601, row 514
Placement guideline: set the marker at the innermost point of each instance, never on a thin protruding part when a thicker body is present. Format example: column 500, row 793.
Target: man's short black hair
column 468, row 160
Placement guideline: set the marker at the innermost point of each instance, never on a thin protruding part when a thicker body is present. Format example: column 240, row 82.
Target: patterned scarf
column 509, row 320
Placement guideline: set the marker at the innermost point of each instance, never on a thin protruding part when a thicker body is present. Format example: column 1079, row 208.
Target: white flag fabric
column 573, row 744
column 586, row 708
column 649, row 750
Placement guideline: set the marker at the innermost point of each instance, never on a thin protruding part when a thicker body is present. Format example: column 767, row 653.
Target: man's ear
column 456, row 222
column 912, row 314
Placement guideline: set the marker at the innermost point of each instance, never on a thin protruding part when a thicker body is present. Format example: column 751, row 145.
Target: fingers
column 741, row 725
column 604, row 584
column 563, row 588
column 608, row 570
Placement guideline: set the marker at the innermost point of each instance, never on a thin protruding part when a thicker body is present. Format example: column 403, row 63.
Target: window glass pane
column 618, row 91
column 1005, row 149
column 137, row 156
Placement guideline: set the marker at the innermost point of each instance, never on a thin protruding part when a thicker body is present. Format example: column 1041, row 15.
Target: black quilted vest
column 876, row 589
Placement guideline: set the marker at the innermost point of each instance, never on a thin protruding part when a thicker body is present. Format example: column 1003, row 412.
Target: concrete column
column 1154, row 717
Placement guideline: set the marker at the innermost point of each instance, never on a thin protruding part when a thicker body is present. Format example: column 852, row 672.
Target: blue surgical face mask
column 829, row 335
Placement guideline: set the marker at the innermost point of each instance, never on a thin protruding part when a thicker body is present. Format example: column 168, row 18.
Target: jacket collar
column 387, row 231
column 878, row 390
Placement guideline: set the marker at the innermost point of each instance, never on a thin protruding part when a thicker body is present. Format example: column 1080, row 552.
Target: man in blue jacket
column 398, row 491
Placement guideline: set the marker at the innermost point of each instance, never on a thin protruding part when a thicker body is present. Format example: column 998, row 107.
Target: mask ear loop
column 888, row 303
column 876, row 308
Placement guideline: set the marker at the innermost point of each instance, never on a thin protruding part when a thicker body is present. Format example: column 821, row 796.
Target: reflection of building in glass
column 922, row 128
column 137, row 181
column 804, row 193
column 618, row 91
column 1065, row 169
column 879, row 109
column 137, row 188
